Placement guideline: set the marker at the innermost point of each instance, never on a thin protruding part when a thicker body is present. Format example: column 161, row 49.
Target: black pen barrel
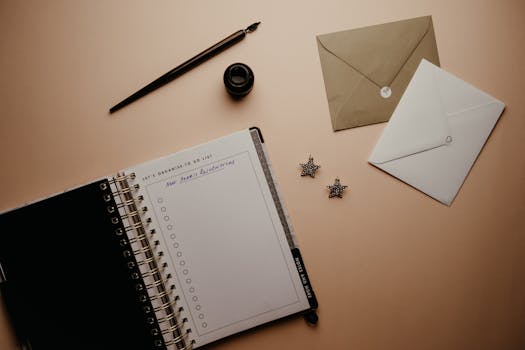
column 205, row 55
column 182, row 68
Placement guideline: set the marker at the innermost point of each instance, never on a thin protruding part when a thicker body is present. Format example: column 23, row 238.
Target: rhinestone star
column 309, row 168
column 336, row 190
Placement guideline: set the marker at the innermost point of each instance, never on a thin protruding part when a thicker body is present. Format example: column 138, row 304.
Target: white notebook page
column 222, row 237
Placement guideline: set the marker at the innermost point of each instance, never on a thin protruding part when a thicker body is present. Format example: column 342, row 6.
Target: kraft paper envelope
column 366, row 70
column 436, row 132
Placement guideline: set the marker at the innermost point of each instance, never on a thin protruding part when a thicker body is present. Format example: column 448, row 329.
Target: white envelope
column 436, row 132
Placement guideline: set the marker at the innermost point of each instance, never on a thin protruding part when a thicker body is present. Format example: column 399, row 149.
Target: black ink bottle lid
column 238, row 79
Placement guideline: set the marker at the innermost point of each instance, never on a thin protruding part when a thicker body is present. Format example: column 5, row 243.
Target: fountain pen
column 186, row 66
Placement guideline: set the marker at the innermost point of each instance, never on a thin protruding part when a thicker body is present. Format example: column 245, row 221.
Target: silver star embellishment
column 309, row 168
column 336, row 190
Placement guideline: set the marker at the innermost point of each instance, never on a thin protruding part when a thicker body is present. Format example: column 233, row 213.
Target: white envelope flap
column 419, row 122
column 457, row 95
column 440, row 172
column 470, row 116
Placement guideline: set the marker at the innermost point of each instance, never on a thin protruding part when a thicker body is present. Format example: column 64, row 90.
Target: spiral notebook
column 174, row 253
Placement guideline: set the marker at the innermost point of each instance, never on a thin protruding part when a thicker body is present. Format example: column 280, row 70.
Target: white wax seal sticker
column 385, row 92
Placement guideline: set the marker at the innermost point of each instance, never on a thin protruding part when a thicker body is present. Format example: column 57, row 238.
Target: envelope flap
column 419, row 122
column 458, row 95
column 380, row 51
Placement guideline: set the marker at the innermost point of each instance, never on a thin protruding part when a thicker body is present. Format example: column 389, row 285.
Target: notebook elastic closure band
column 3, row 277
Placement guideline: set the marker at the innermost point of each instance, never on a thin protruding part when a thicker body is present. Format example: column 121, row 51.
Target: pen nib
column 252, row 27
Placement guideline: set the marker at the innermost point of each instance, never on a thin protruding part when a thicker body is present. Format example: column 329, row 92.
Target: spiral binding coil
column 153, row 283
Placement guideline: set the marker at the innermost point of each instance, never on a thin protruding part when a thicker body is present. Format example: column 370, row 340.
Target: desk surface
column 392, row 268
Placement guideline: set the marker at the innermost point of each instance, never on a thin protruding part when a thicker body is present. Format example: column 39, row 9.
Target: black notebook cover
column 67, row 284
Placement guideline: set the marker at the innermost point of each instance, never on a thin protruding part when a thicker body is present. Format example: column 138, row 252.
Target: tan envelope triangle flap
column 380, row 51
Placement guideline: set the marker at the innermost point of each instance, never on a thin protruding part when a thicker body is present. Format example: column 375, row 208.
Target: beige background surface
column 392, row 268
